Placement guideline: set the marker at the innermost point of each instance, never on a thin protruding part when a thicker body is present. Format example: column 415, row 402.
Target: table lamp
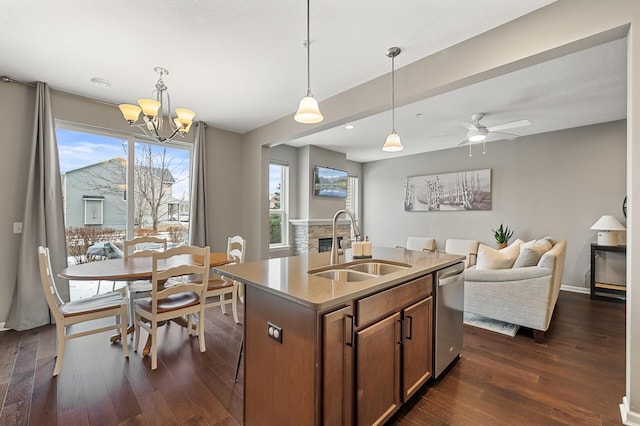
column 607, row 227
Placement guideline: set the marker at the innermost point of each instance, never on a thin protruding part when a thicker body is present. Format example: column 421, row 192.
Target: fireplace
column 324, row 244
column 308, row 234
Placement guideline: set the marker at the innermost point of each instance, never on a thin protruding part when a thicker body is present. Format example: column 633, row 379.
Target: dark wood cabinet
column 378, row 367
column 337, row 367
column 352, row 364
column 417, row 346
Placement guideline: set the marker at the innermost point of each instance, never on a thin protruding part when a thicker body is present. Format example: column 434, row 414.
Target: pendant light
column 393, row 143
column 308, row 110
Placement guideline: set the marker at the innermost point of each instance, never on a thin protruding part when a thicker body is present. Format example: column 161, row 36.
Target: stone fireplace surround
column 307, row 232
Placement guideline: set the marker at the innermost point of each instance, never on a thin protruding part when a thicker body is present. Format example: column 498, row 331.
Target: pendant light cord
column 308, row 54
column 393, row 95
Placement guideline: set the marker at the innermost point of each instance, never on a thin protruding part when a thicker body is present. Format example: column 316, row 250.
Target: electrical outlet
column 17, row 227
column 274, row 331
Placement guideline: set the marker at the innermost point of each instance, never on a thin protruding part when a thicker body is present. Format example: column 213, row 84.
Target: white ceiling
column 241, row 64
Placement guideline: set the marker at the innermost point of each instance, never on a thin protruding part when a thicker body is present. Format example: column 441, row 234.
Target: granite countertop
column 288, row 277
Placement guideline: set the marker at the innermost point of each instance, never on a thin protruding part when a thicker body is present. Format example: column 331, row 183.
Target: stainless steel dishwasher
column 448, row 316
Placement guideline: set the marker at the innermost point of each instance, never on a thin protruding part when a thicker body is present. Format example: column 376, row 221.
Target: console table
column 606, row 290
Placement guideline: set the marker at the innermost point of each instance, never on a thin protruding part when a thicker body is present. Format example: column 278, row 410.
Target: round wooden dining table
column 135, row 268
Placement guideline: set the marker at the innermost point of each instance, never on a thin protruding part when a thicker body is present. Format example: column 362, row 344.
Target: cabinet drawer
column 378, row 305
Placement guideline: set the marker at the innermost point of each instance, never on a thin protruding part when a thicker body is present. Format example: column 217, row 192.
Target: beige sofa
column 523, row 295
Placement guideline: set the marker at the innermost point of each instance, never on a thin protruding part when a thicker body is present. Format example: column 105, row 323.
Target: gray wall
column 555, row 184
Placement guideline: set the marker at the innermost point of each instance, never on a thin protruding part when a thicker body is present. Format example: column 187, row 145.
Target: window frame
column 283, row 211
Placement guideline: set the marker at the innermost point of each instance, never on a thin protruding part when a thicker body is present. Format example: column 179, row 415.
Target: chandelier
column 154, row 111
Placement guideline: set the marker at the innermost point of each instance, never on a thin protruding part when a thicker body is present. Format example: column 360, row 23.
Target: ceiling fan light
column 308, row 111
column 393, row 144
column 477, row 135
column 130, row 112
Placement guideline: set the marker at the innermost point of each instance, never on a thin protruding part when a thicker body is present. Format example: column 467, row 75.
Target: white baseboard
column 575, row 289
column 2, row 327
column 629, row 418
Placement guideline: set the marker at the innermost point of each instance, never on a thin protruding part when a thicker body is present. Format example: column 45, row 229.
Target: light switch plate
column 17, row 227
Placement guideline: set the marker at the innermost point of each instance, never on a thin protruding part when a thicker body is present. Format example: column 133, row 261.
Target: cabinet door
column 337, row 367
column 417, row 346
column 378, row 371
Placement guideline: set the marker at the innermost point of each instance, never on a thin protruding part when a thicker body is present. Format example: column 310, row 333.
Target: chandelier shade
column 308, row 109
column 154, row 111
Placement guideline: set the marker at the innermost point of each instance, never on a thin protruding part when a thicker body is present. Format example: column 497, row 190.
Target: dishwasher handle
column 445, row 275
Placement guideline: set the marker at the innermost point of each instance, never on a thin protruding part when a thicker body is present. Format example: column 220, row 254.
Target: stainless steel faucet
column 334, row 236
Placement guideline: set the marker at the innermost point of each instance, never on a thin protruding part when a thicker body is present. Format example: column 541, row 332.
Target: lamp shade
column 130, row 112
column 393, row 144
column 308, row 111
column 149, row 107
column 607, row 223
column 607, row 226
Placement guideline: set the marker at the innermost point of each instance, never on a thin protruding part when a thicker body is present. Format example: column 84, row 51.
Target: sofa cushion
column 531, row 252
column 490, row 258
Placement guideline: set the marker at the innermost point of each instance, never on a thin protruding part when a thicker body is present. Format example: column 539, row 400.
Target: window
column 116, row 186
column 278, row 204
column 352, row 203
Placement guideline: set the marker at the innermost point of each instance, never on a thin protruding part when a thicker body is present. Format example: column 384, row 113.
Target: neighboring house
column 95, row 195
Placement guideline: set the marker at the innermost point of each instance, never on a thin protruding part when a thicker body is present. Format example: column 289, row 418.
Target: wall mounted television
column 328, row 182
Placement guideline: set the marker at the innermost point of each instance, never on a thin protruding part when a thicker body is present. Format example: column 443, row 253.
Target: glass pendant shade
column 185, row 116
column 149, row 107
column 308, row 111
column 393, row 144
column 183, row 130
column 130, row 112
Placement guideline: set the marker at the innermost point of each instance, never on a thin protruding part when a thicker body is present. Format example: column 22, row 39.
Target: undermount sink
column 359, row 271
column 345, row 275
column 377, row 268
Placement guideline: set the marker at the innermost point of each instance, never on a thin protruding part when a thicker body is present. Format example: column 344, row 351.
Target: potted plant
column 502, row 235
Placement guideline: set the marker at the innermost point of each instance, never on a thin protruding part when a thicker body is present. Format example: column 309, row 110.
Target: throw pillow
column 490, row 258
column 530, row 254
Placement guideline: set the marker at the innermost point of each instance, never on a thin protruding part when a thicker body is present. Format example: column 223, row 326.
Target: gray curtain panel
column 198, row 228
column 43, row 223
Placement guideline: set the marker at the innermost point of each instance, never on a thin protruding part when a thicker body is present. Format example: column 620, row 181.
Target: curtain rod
column 7, row 79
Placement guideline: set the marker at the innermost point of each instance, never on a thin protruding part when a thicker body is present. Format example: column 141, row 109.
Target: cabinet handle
column 353, row 330
column 410, row 335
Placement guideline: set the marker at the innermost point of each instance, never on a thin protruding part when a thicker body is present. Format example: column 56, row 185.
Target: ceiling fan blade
column 464, row 141
column 469, row 126
column 510, row 125
column 497, row 136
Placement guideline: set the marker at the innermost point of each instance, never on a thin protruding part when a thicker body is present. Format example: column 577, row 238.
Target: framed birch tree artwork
column 468, row 190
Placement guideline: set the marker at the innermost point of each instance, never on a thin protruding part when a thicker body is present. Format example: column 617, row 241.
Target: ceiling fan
column 477, row 132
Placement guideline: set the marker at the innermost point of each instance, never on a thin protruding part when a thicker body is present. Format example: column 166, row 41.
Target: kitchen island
column 328, row 351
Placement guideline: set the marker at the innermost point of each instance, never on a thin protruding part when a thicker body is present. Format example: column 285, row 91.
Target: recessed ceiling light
column 101, row 82
column 349, row 126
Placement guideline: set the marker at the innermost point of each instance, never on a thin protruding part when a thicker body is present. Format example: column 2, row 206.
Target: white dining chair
column 220, row 287
column 82, row 310
column 184, row 298
column 139, row 247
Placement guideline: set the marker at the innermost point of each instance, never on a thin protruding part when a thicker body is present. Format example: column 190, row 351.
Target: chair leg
column 239, row 357
column 60, row 350
column 222, row 304
column 136, row 331
column 201, row 330
column 234, row 302
column 154, row 345
column 124, row 317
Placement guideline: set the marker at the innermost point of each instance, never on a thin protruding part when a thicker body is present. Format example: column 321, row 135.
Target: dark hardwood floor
column 576, row 377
